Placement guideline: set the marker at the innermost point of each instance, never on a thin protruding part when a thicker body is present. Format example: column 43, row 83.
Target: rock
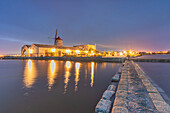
column 103, row 106
column 108, row 94
column 111, row 88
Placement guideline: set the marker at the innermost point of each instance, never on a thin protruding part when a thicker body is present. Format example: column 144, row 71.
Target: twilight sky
column 111, row 24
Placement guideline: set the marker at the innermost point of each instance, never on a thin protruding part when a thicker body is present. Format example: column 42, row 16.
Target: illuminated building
column 37, row 50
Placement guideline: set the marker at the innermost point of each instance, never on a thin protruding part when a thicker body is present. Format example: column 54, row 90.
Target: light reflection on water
column 77, row 69
column 67, row 75
column 30, row 74
column 52, row 86
column 52, row 74
column 92, row 74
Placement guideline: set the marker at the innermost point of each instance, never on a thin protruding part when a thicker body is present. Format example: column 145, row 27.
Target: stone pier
column 136, row 94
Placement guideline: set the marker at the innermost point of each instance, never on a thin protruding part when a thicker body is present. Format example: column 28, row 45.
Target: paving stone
column 123, row 81
column 156, row 96
column 119, row 109
column 136, row 94
column 120, row 101
column 122, row 87
column 162, row 106
column 122, row 93
column 151, row 89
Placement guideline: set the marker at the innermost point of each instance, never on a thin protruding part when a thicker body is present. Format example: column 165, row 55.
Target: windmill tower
column 57, row 40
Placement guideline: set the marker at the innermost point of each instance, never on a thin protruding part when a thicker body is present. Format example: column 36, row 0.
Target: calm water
column 154, row 57
column 159, row 73
column 52, row 86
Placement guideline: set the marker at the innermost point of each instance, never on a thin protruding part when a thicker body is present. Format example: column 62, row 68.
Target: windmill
column 55, row 38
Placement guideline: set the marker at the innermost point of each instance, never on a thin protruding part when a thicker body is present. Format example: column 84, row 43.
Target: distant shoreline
column 89, row 59
column 150, row 60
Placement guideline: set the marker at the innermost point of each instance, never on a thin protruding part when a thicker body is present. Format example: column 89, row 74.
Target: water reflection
column 92, row 74
column 104, row 65
column 30, row 74
column 77, row 69
column 51, row 74
column 67, row 75
column 113, row 65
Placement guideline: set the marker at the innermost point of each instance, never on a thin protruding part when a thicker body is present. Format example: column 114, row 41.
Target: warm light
column 91, row 51
column 52, row 66
column 67, row 75
column 121, row 53
column 92, row 74
column 77, row 51
column 115, row 53
column 130, row 52
column 77, row 68
column 68, row 51
column 30, row 64
column 165, row 51
column 124, row 52
column 53, row 50
column 30, row 74
column 30, row 50
column 104, row 64
column 86, row 51
column 51, row 74
column 68, row 64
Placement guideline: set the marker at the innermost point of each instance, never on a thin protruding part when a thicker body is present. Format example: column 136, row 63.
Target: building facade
column 38, row 50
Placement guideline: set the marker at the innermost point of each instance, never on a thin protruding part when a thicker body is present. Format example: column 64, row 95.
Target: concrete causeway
column 136, row 94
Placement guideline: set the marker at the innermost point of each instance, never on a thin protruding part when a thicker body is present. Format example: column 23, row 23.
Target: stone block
column 120, row 101
column 156, row 96
column 121, row 93
column 119, row 109
column 151, row 89
column 122, row 87
column 123, row 81
column 161, row 106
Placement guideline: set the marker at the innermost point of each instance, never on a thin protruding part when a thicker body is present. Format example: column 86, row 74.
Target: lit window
column 86, row 51
column 53, row 50
column 121, row 53
column 77, row 51
column 30, row 51
column 68, row 51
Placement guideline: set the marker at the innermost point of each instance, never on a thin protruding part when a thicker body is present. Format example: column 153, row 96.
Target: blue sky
column 142, row 25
